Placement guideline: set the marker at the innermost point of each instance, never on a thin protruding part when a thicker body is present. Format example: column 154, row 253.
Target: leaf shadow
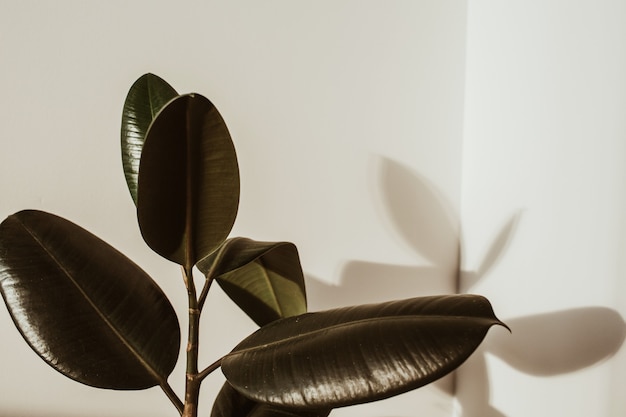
column 422, row 220
column 417, row 211
column 553, row 343
column 543, row 344
column 499, row 245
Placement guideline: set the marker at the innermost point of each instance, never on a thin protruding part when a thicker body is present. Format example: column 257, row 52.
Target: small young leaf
column 144, row 100
column 84, row 308
column 265, row 279
column 188, row 190
column 358, row 354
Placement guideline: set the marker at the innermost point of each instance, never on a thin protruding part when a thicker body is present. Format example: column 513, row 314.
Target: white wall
column 347, row 118
column 545, row 167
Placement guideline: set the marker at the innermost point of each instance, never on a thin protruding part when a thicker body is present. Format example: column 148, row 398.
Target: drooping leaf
column 265, row 279
column 188, row 181
column 230, row 403
column 145, row 98
column 83, row 307
column 358, row 354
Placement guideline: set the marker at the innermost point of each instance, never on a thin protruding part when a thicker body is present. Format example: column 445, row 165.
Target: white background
column 375, row 136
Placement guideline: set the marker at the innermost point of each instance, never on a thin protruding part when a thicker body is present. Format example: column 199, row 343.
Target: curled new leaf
column 265, row 279
column 145, row 98
column 358, row 354
column 83, row 307
column 188, row 190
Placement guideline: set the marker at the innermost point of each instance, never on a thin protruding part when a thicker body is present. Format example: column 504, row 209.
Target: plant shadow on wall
column 543, row 345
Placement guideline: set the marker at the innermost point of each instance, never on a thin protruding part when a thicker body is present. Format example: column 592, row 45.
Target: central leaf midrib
column 150, row 99
column 313, row 333
column 93, row 305
column 272, row 291
column 190, row 211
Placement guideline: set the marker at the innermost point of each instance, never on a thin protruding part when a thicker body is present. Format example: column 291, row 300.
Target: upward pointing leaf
column 265, row 279
column 144, row 100
column 188, row 189
column 83, row 307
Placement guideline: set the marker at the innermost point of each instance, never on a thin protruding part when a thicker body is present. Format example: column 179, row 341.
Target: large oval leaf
column 85, row 308
column 230, row 403
column 188, row 190
column 145, row 98
column 358, row 354
column 265, row 279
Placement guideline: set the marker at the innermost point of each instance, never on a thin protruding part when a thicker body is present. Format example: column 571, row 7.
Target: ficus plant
column 96, row 317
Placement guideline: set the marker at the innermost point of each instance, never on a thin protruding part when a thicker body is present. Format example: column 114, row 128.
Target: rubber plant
column 96, row 317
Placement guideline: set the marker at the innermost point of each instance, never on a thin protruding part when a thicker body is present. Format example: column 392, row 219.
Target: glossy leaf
column 264, row 410
column 145, row 98
column 358, row 354
column 265, row 279
column 188, row 181
column 83, row 307
column 230, row 403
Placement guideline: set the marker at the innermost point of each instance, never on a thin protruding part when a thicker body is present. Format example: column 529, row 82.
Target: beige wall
column 347, row 118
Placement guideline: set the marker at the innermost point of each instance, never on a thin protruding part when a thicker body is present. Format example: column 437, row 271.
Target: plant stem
column 192, row 384
column 192, row 394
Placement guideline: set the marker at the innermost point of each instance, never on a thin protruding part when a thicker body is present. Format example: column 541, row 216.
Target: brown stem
column 192, row 395
column 192, row 385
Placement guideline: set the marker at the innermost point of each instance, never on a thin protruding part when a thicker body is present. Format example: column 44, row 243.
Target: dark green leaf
column 265, row 279
column 85, row 308
column 144, row 100
column 264, row 410
column 358, row 354
column 230, row 403
column 188, row 181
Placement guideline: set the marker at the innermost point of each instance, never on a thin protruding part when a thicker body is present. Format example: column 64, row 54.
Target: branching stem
column 204, row 293
column 207, row 371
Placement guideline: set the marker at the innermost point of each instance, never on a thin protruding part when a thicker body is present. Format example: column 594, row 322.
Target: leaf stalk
column 167, row 389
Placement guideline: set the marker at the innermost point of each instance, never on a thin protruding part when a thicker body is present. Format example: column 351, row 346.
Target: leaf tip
column 503, row 324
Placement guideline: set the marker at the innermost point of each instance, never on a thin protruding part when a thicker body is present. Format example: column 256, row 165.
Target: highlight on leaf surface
column 264, row 279
column 83, row 307
column 188, row 191
column 358, row 354
column 145, row 99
